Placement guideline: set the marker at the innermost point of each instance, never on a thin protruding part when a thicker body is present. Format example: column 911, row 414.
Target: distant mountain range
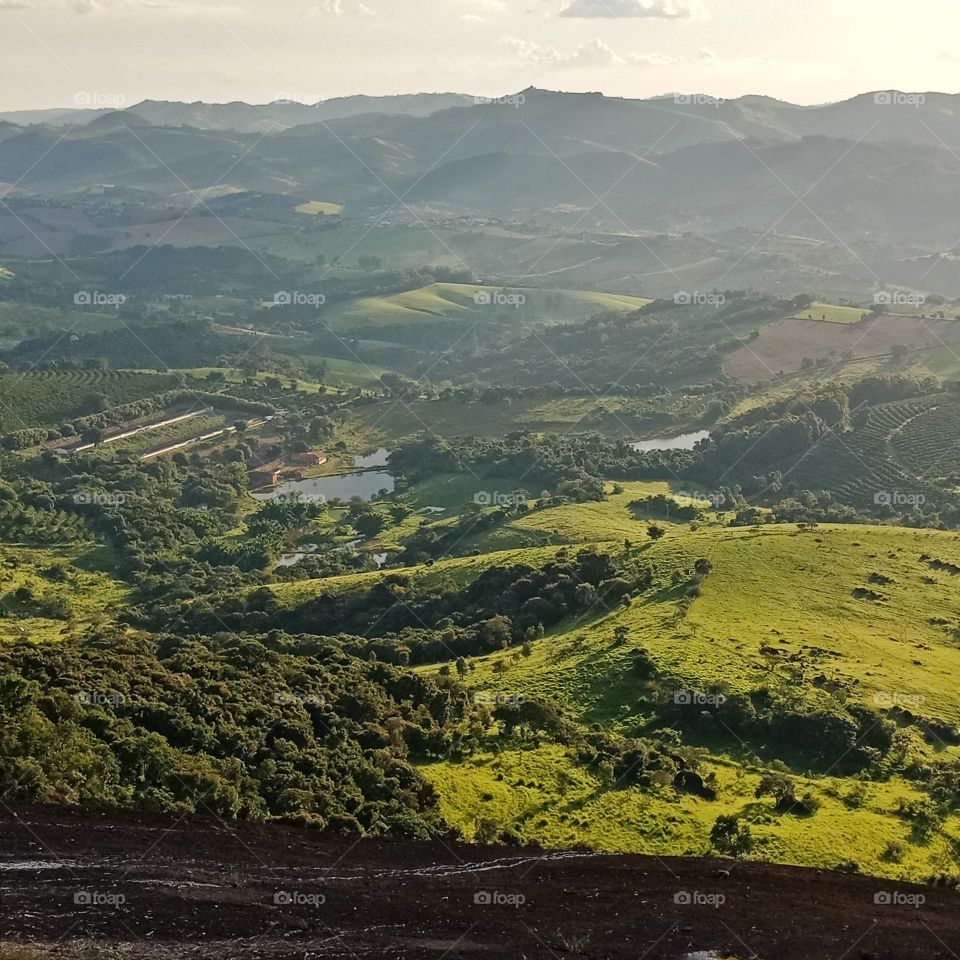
column 246, row 117
column 877, row 173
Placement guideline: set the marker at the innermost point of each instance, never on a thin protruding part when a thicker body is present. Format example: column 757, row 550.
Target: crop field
column 456, row 418
column 929, row 443
column 831, row 313
column 319, row 207
column 49, row 398
column 903, row 447
column 782, row 347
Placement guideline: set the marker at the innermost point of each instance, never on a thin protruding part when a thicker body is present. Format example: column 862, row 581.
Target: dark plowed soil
column 86, row 884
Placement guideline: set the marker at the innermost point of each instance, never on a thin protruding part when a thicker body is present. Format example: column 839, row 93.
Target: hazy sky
column 122, row 51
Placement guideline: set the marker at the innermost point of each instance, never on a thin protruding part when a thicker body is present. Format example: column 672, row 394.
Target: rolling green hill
column 823, row 618
column 472, row 304
column 849, row 614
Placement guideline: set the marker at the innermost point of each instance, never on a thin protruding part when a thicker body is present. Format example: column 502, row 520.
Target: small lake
column 344, row 487
column 685, row 441
column 370, row 460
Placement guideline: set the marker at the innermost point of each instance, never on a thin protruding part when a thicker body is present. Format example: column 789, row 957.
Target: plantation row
column 859, row 465
column 29, row 400
column 930, row 443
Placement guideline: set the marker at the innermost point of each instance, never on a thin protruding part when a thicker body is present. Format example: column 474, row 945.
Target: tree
column 731, row 837
column 94, row 435
column 655, row 532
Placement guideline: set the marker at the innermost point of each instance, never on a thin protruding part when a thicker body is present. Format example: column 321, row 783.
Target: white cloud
column 590, row 53
column 652, row 9
column 480, row 9
column 84, row 7
column 337, row 8
column 654, row 59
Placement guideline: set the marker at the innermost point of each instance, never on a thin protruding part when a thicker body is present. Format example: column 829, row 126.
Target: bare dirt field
column 78, row 884
column 782, row 346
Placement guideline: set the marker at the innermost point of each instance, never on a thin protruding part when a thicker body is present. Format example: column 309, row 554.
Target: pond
column 684, row 441
column 365, row 485
column 370, row 460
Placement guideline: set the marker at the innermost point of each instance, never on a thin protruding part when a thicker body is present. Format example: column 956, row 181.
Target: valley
column 438, row 525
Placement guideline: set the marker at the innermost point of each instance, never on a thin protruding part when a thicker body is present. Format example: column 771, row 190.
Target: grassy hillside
column 780, row 604
column 855, row 614
column 543, row 795
column 831, row 313
column 45, row 594
column 471, row 303
column 316, row 207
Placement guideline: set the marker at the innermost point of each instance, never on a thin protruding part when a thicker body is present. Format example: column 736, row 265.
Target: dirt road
column 78, row 884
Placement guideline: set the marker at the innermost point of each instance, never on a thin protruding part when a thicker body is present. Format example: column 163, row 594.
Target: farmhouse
column 312, row 458
column 264, row 477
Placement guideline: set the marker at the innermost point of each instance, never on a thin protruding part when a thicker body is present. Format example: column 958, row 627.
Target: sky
column 56, row 53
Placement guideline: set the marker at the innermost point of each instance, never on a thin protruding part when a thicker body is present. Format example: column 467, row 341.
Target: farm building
column 265, row 477
column 311, row 458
